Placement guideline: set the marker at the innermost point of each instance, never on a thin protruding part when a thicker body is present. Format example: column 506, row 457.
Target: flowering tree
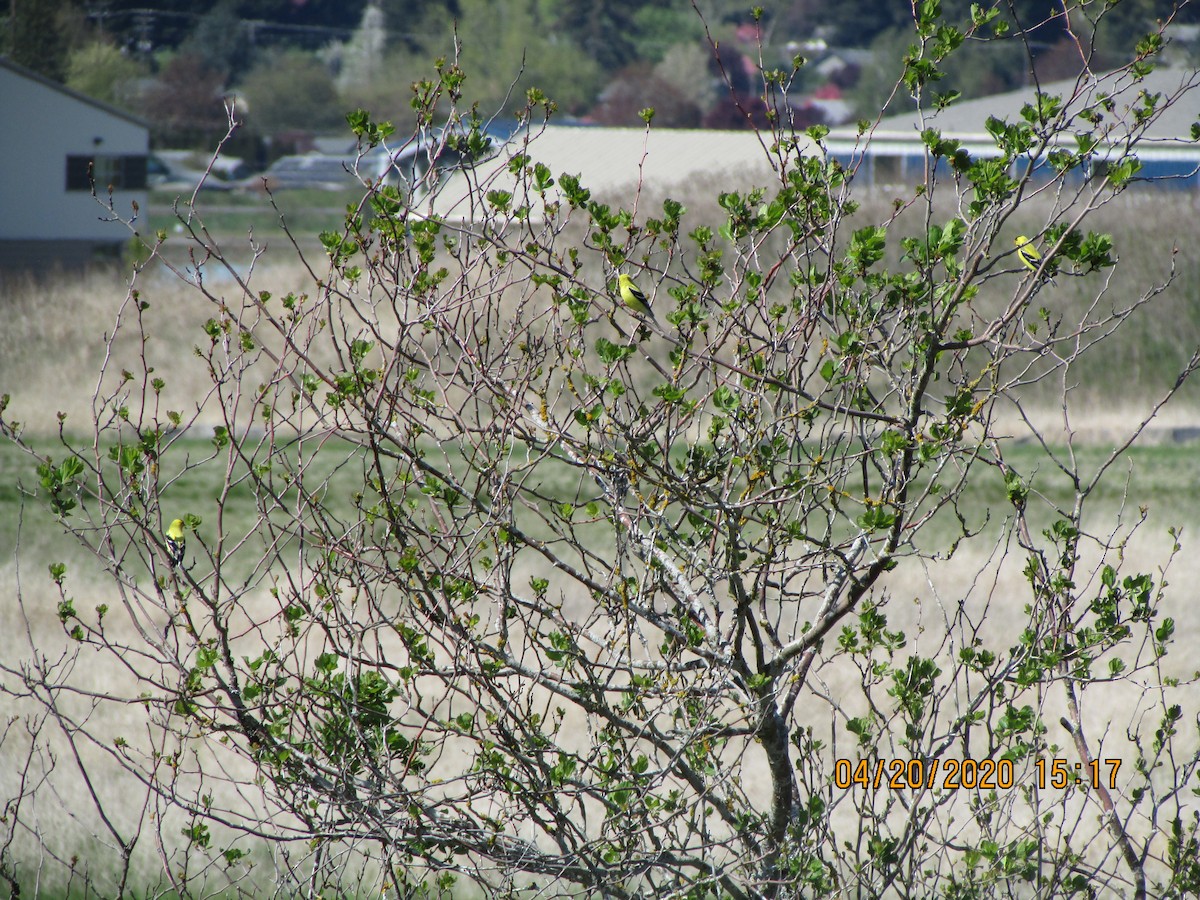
column 491, row 580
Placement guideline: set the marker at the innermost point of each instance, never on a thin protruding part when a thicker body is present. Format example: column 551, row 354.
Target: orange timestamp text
column 969, row 774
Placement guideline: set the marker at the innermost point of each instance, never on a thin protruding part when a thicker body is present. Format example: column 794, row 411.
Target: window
column 121, row 173
column 889, row 169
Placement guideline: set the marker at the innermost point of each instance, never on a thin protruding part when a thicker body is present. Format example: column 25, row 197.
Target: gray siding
column 41, row 125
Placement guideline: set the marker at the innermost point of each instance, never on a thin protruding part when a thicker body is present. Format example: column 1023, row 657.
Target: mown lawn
column 1159, row 479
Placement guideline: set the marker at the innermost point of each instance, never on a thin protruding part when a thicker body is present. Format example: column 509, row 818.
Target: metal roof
column 966, row 120
column 613, row 161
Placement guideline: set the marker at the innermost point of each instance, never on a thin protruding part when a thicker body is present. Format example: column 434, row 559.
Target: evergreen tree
column 220, row 39
column 602, row 28
column 35, row 37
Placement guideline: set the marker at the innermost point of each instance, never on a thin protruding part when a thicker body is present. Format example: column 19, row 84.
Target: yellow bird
column 633, row 297
column 1027, row 253
column 176, row 543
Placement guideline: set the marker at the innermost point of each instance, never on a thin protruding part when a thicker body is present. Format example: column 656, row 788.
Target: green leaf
column 867, row 246
column 542, row 180
column 500, row 200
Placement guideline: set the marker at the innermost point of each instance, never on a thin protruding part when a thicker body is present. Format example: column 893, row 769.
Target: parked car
column 175, row 170
column 410, row 163
column 304, row 170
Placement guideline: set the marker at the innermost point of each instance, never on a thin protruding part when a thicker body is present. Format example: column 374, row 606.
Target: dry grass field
column 56, row 338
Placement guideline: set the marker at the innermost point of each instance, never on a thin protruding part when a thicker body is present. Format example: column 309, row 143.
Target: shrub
column 494, row 581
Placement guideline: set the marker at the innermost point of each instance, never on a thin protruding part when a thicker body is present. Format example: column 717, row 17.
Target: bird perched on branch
column 176, row 543
column 1031, row 259
column 633, row 297
column 1027, row 253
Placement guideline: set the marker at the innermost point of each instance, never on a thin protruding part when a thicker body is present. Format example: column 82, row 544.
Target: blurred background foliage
column 295, row 69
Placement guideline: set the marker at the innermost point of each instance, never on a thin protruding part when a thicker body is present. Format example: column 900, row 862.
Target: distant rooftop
column 967, row 118
column 614, row 160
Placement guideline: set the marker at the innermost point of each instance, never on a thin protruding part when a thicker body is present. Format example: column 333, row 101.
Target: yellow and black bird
column 633, row 297
column 1027, row 253
column 176, row 543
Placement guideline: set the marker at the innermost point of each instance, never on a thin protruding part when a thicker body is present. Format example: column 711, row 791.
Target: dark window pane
column 121, row 173
column 78, row 177
column 133, row 178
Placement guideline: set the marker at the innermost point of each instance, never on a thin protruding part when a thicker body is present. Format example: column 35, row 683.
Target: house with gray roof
column 55, row 144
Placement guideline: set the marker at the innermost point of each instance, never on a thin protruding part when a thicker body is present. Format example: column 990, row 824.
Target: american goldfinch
column 176, row 543
column 633, row 297
column 1027, row 252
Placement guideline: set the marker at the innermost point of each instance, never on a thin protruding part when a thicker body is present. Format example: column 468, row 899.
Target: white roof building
column 611, row 162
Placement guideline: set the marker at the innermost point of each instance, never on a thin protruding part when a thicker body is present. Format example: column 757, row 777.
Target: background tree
column 143, row 29
column 414, row 22
column 291, row 90
column 657, row 29
column 1032, row 41
column 99, row 69
column 602, row 29
column 491, row 580
column 496, row 43
column 220, row 38
column 41, row 34
column 167, row 24
column 186, row 103
column 638, row 87
column 685, row 66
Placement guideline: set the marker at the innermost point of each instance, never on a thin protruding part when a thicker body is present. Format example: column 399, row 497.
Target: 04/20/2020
column 968, row 774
